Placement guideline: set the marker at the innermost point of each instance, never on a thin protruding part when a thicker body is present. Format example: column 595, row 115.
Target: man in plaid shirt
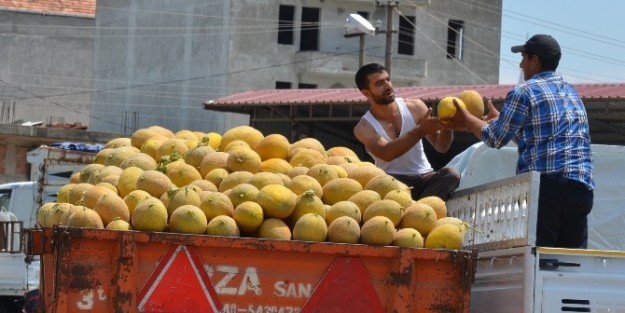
column 547, row 120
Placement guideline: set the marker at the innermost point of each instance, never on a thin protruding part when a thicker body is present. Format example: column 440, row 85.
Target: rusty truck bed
column 101, row 270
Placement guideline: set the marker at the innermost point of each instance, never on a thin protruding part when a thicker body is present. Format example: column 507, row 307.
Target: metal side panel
column 504, row 281
column 572, row 280
column 12, row 274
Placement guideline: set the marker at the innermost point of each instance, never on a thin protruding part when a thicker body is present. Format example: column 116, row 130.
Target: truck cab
column 50, row 169
column 17, row 273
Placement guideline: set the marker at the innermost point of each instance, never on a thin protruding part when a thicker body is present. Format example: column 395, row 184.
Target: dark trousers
column 563, row 208
column 436, row 183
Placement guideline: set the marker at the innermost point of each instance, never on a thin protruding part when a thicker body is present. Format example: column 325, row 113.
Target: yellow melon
column 297, row 170
column 273, row 228
column 241, row 193
column 186, row 134
column 343, row 208
column 223, row 225
column 102, row 155
column 384, row 183
column 364, row 198
column 215, row 203
column 118, row 224
column 340, row 189
column 119, row 155
column 261, row 179
column 141, row 135
column 154, row 182
column 307, row 202
column 408, row 238
column 378, row 231
column 61, row 213
column 151, row 146
column 275, row 165
column 90, row 169
column 43, row 214
column 214, row 139
column 216, row 176
column 243, row 159
column 342, row 151
column 127, row 182
column 363, row 174
column 388, row 208
column 323, row 173
column 140, row 160
column 403, row 197
column 203, row 184
column 117, row 142
column 246, row 133
column 149, row 215
column 234, row 179
column 63, row 194
column 446, row 108
column 249, row 216
column 55, row 213
column 212, row 161
column 437, row 204
column 276, row 200
column 419, row 216
column 77, row 192
column 171, row 146
column 196, row 155
column 111, row 206
column 181, row 196
column 344, row 229
column 235, row 144
column 310, row 227
column 188, row 219
column 85, row 217
column 134, row 197
column 307, row 158
column 273, row 146
column 91, row 197
column 308, row 143
column 473, row 101
column 446, row 236
column 181, row 173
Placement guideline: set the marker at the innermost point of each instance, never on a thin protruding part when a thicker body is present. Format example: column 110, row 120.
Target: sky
column 591, row 34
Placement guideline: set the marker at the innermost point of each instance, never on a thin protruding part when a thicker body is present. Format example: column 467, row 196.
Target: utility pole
column 389, row 4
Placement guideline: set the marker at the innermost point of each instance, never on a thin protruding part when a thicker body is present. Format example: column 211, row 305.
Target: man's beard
column 385, row 98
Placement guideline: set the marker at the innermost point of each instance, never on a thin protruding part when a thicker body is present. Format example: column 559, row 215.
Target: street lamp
column 357, row 25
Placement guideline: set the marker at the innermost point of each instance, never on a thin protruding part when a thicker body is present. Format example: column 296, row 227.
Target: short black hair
column 361, row 75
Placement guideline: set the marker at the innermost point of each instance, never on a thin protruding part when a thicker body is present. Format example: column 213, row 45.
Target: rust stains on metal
column 81, row 277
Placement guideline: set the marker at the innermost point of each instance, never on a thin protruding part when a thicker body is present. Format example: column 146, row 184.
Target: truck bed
column 103, row 270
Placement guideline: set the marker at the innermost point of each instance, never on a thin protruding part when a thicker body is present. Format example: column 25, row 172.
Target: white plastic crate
column 502, row 212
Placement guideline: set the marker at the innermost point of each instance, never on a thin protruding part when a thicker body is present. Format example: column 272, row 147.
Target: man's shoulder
column 413, row 102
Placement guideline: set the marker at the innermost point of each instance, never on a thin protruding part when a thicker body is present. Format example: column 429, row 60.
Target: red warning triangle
column 179, row 284
column 331, row 295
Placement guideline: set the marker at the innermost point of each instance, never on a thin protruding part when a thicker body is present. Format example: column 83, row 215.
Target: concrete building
column 116, row 66
column 155, row 62
column 47, row 60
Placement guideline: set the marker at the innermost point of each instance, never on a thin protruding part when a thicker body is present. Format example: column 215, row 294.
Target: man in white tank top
column 391, row 132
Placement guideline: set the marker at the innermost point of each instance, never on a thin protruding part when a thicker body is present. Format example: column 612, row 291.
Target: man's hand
column 429, row 124
column 493, row 113
column 459, row 119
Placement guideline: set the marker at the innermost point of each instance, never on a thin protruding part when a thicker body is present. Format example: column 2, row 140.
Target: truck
column 50, row 169
column 515, row 275
column 499, row 269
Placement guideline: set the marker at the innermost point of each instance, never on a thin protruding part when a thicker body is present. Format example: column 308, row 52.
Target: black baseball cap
column 545, row 46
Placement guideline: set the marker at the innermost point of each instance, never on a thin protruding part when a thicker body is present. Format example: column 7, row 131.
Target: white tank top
column 414, row 160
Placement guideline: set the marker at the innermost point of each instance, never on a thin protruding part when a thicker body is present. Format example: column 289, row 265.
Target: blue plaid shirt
column 548, row 121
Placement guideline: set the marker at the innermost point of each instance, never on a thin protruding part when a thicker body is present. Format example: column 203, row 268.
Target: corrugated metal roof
column 426, row 93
